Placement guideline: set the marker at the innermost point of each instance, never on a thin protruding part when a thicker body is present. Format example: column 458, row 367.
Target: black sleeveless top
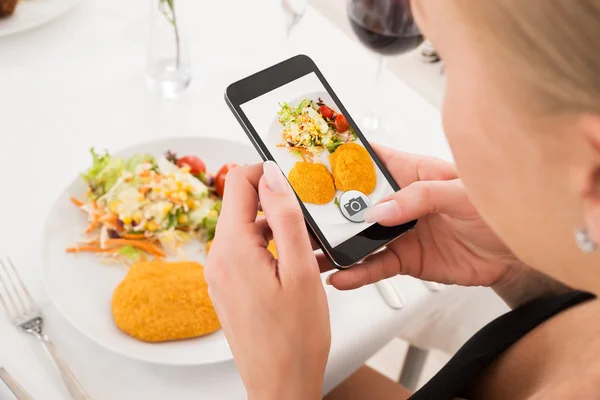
column 490, row 342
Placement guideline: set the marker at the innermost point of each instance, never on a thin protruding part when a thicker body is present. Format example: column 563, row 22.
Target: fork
column 13, row 385
column 27, row 317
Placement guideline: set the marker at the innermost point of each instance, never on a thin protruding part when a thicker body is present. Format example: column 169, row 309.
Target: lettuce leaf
column 133, row 254
column 103, row 174
column 134, row 161
column 210, row 221
column 333, row 145
column 98, row 164
column 286, row 114
column 303, row 103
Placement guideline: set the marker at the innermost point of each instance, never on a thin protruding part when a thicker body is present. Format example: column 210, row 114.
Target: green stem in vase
column 167, row 7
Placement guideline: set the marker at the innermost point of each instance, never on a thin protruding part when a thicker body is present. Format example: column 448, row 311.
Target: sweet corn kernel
column 113, row 206
column 183, row 219
column 167, row 208
column 156, row 189
column 179, row 184
column 191, row 203
column 137, row 216
column 140, row 197
column 167, row 193
column 175, row 195
column 183, row 196
column 152, row 226
column 126, row 220
column 186, row 168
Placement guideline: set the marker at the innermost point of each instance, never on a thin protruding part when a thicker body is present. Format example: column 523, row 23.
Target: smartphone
column 293, row 117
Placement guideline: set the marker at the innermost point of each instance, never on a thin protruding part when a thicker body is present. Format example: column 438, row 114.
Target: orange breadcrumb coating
column 353, row 168
column 160, row 301
column 271, row 247
column 312, row 182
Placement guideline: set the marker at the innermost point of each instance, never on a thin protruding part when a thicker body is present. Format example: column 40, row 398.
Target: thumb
column 285, row 218
column 422, row 198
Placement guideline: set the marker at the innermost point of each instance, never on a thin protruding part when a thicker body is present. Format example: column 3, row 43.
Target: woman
column 520, row 212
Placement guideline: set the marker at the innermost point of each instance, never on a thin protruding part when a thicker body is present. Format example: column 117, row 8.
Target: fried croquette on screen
column 353, row 168
column 312, row 182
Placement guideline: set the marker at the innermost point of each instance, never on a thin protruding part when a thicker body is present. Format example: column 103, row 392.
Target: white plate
column 323, row 214
column 33, row 13
column 81, row 287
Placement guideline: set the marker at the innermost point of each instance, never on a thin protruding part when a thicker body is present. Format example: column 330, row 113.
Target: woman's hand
column 450, row 244
column 274, row 312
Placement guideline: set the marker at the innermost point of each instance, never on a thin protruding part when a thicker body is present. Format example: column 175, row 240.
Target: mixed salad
column 312, row 127
column 144, row 206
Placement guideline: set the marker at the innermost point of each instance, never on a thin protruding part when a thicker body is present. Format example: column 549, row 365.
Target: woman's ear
column 591, row 186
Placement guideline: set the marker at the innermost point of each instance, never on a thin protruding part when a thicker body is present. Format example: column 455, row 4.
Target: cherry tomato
column 220, row 178
column 326, row 112
column 341, row 124
column 196, row 165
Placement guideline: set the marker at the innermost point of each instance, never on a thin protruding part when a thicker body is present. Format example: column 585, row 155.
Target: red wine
column 383, row 43
column 385, row 26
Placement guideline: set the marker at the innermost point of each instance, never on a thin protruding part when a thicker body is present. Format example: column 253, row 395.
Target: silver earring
column 584, row 241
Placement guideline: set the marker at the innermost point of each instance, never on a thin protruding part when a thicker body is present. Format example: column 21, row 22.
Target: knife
column 12, row 384
column 388, row 292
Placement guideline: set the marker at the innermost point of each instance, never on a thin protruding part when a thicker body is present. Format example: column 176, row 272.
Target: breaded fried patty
column 353, row 169
column 312, row 182
column 160, row 301
column 7, row 7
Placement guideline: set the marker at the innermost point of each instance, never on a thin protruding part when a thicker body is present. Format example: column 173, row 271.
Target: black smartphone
column 293, row 117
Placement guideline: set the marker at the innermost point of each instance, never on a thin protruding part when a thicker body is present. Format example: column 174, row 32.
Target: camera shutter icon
column 353, row 205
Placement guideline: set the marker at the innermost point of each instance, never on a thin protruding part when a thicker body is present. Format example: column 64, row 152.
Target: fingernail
column 381, row 211
column 328, row 280
column 275, row 180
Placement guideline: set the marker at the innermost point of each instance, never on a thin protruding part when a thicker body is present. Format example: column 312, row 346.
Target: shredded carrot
column 144, row 189
column 134, row 236
column 138, row 244
column 88, row 249
column 92, row 226
column 110, row 218
column 76, row 201
column 145, row 173
column 174, row 201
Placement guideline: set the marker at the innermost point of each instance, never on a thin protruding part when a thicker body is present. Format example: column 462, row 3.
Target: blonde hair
column 553, row 44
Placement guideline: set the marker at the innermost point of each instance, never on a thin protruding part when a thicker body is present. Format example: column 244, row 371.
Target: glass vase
column 168, row 65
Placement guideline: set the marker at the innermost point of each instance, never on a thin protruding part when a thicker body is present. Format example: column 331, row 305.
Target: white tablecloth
column 78, row 82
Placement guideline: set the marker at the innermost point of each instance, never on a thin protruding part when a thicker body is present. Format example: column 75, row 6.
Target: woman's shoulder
column 584, row 385
column 563, row 353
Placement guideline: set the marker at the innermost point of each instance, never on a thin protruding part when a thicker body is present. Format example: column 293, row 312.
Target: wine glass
column 293, row 11
column 387, row 27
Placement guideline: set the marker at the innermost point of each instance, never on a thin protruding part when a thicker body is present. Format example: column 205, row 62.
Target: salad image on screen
column 311, row 127
column 318, row 135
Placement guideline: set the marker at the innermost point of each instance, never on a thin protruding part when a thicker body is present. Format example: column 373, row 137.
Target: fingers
column 407, row 168
column 419, row 199
column 286, row 220
column 267, row 233
column 379, row 266
column 240, row 200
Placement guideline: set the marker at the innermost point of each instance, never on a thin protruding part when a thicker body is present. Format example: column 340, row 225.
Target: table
column 78, row 82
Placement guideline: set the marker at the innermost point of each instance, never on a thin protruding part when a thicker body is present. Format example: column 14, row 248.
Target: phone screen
column 321, row 155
